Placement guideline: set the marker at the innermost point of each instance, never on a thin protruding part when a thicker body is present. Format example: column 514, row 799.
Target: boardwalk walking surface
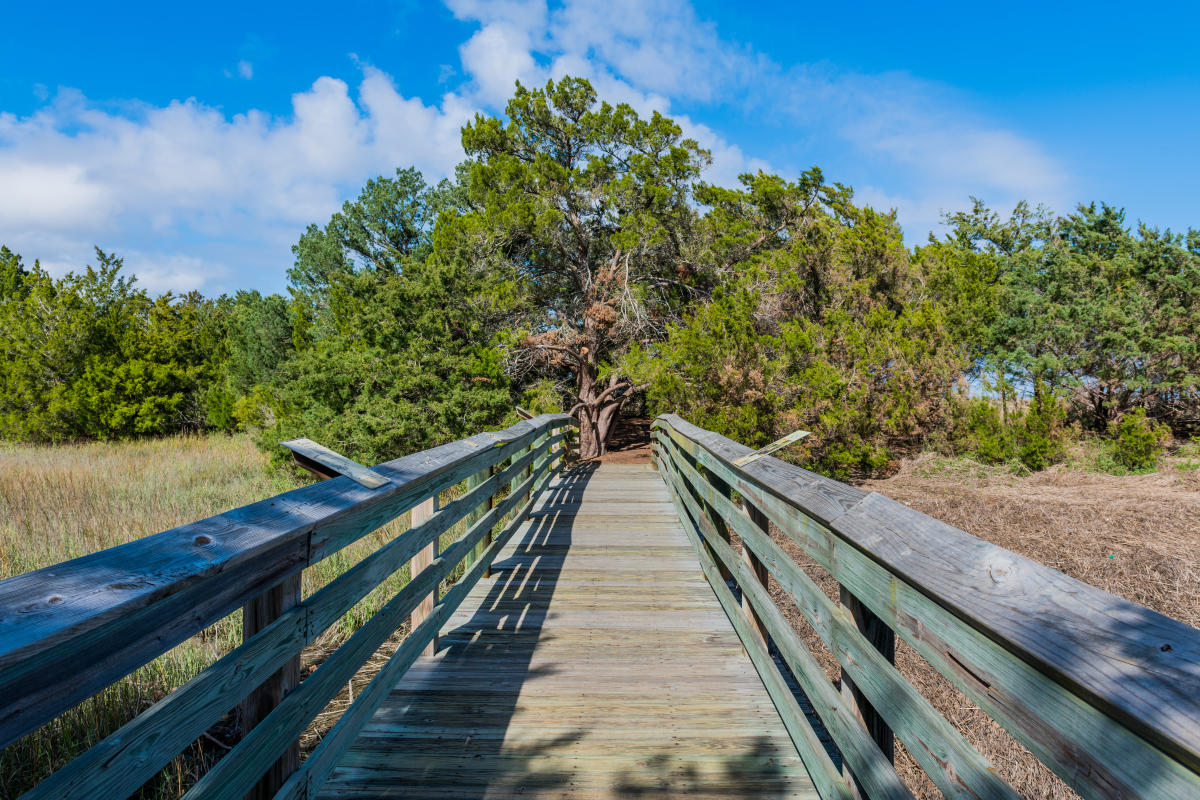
column 595, row 663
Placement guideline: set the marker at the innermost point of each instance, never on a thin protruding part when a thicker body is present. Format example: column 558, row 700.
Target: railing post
column 419, row 562
column 485, row 506
column 525, row 473
column 883, row 639
column 760, row 572
column 722, row 529
column 256, row 615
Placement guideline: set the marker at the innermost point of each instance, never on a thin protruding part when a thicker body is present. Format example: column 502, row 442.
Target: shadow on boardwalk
column 447, row 732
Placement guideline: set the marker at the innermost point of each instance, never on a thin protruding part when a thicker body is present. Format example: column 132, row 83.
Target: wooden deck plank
column 594, row 663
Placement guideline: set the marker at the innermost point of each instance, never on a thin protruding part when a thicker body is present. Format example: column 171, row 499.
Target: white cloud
column 638, row 53
column 76, row 173
column 197, row 198
column 931, row 141
column 498, row 56
column 651, row 53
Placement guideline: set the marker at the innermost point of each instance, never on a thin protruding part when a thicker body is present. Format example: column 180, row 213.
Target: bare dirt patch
column 630, row 443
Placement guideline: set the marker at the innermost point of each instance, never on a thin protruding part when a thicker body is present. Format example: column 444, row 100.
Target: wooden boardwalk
column 594, row 663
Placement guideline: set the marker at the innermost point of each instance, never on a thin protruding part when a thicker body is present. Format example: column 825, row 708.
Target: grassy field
column 58, row 503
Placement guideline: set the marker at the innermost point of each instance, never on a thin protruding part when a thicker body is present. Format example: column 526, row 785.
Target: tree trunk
column 597, row 409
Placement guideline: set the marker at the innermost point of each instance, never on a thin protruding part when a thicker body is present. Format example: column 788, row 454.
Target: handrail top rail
column 1138, row 665
column 43, row 608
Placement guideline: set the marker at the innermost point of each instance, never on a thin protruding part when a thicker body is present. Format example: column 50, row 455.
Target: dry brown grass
column 58, row 503
column 1135, row 536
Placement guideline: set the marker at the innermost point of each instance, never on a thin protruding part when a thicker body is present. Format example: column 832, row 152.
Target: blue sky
column 200, row 143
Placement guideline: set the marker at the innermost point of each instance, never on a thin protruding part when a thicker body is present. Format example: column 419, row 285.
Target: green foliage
column 1137, row 442
column 1090, row 307
column 542, row 397
column 582, row 212
column 1040, row 443
column 819, row 325
column 990, row 439
column 14, row 278
column 397, row 355
column 379, row 231
column 577, row 258
column 410, row 370
column 91, row 356
column 1033, row 436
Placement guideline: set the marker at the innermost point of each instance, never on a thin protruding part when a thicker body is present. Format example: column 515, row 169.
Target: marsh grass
column 59, row 503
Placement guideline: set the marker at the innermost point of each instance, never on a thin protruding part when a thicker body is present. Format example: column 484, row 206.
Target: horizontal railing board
column 955, row 767
column 825, row 775
column 1140, row 663
column 154, row 737
column 822, row 498
column 1096, row 755
column 1140, row 666
column 1082, row 743
column 868, row 763
column 123, row 606
column 325, row 757
column 235, row 774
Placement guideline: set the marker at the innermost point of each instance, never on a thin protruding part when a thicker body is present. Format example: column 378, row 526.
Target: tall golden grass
column 62, row 502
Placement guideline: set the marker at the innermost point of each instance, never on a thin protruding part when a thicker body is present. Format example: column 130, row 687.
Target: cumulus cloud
column 76, row 173
column 641, row 53
column 197, row 198
column 658, row 55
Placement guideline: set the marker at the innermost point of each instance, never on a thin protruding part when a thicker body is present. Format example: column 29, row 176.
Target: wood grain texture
column 333, row 463
column 240, row 769
column 1105, row 692
column 422, row 561
column 596, row 662
column 120, row 763
column 855, row 744
column 257, row 615
column 826, row 778
column 955, row 767
column 883, row 639
column 329, row 752
column 117, row 609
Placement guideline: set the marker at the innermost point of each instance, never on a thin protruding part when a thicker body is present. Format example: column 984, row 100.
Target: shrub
column 1041, row 439
column 990, row 440
column 1137, row 441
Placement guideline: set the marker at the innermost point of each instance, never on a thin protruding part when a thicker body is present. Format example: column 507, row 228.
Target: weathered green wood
column 335, row 463
column 256, row 616
column 324, row 758
column 883, row 640
column 825, row 776
column 955, row 767
column 121, row 607
column 156, row 736
column 1067, row 730
column 858, row 749
column 232, row 776
column 474, row 482
column 422, row 560
column 597, row 665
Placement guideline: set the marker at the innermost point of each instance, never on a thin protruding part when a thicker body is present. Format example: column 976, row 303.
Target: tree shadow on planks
column 755, row 773
column 441, row 733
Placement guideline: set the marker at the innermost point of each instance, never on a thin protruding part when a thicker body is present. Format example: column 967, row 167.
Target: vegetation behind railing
column 1103, row 691
column 69, row 630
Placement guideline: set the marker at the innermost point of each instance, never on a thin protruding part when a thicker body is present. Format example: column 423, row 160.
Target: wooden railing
column 72, row 629
column 1105, row 692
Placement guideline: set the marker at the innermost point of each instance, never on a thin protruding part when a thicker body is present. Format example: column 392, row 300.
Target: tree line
column 578, row 261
